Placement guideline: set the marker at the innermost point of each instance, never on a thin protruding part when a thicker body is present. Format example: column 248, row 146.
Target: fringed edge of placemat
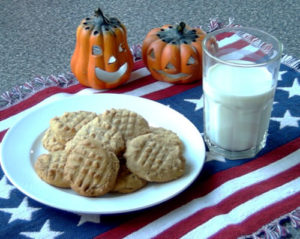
column 291, row 62
column 279, row 228
column 37, row 84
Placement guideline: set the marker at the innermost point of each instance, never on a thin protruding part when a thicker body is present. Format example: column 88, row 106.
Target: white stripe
column 241, row 53
column 244, row 210
column 217, row 195
column 4, row 124
column 159, row 85
column 142, row 72
column 87, row 91
column 229, row 40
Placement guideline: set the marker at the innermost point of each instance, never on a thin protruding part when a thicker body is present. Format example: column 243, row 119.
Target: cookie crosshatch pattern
column 261, row 194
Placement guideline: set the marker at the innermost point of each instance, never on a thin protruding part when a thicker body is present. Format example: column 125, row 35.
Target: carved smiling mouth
column 110, row 77
column 172, row 77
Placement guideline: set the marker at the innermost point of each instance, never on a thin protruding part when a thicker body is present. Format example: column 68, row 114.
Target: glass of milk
column 240, row 71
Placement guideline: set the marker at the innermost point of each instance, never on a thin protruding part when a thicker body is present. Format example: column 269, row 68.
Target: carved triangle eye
column 191, row 61
column 170, row 66
column 112, row 60
column 121, row 49
column 151, row 54
column 96, row 50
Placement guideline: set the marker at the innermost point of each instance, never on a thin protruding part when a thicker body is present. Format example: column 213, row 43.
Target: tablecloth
column 249, row 198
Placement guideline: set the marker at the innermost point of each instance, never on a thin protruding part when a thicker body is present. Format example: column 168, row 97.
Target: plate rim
column 101, row 95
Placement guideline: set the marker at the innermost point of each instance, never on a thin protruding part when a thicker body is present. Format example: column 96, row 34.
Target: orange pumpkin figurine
column 102, row 58
column 174, row 53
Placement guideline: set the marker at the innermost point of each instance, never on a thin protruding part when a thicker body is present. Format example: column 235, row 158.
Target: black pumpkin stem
column 99, row 13
column 179, row 34
column 180, row 27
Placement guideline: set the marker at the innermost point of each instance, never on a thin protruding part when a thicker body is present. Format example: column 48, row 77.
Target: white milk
column 238, row 104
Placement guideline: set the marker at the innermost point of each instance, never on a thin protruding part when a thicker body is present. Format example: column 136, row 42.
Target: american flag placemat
column 229, row 199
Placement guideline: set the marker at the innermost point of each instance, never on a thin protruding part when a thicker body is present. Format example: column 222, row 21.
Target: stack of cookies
column 116, row 151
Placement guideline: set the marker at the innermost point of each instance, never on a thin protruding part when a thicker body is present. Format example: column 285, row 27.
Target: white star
column 197, row 102
column 211, row 156
column 287, row 120
column 293, row 90
column 280, row 75
column 45, row 232
column 88, row 218
column 5, row 188
column 22, row 212
column 275, row 102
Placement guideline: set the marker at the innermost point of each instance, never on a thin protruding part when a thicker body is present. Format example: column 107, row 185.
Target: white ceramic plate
column 22, row 145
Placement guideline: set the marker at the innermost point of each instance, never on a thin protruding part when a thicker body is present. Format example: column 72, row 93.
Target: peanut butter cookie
column 129, row 123
column 91, row 170
column 155, row 158
column 50, row 142
column 103, row 132
column 65, row 127
column 127, row 182
column 50, row 168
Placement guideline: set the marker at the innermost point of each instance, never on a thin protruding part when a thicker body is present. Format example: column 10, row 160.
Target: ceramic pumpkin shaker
column 174, row 53
column 102, row 58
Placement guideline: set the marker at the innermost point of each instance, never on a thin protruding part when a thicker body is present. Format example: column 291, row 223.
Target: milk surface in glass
column 238, row 104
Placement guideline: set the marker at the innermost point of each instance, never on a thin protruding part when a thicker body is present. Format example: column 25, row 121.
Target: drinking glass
column 240, row 71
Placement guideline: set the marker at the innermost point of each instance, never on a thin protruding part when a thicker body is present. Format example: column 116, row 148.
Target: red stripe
column 2, row 133
column 239, row 45
column 133, row 85
column 160, row 94
column 43, row 94
column 236, row 45
column 254, row 222
column 207, row 186
column 36, row 98
column 224, row 35
column 255, row 56
column 230, row 203
column 137, row 65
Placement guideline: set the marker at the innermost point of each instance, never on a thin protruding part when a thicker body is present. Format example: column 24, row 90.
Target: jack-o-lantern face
column 102, row 58
column 174, row 54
